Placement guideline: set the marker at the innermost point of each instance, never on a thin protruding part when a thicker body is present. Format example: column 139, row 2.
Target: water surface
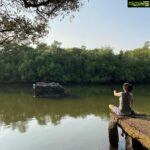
column 75, row 123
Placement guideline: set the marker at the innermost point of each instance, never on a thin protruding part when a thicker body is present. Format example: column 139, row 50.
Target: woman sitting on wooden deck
column 125, row 101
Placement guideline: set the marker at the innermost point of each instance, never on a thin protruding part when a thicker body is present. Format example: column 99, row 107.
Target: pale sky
column 101, row 23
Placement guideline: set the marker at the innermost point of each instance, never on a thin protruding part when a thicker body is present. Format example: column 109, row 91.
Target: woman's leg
column 111, row 107
column 114, row 108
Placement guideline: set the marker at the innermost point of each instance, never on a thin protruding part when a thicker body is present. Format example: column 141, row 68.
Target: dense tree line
column 23, row 63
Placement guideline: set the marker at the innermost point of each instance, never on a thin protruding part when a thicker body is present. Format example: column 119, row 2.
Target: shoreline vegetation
column 20, row 63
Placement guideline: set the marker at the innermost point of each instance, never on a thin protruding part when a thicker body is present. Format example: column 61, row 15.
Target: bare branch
column 27, row 4
column 22, row 20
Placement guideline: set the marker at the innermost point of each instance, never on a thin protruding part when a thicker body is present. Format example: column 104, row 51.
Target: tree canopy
column 27, row 20
column 22, row 63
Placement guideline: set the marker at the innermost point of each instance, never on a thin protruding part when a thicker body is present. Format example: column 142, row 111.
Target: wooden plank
column 138, row 129
column 137, row 126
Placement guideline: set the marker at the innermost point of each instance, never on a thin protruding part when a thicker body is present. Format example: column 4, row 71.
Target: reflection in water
column 133, row 144
column 17, row 104
column 113, row 133
column 79, row 122
column 71, row 134
column 112, row 148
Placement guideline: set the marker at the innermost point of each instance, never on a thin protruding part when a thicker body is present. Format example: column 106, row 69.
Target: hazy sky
column 102, row 23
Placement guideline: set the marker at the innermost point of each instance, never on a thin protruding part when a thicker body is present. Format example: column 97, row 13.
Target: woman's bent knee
column 111, row 106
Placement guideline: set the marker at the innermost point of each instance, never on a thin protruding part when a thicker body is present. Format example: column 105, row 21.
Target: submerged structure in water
column 53, row 89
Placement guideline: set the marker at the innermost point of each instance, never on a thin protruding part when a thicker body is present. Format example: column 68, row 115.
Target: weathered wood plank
column 136, row 126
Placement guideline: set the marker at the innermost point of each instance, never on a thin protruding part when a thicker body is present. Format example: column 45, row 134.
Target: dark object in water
column 53, row 89
column 113, row 134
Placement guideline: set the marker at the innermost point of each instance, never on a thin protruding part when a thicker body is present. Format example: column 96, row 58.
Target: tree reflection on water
column 18, row 107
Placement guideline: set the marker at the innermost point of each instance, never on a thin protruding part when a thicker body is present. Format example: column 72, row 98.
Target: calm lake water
column 77, row 123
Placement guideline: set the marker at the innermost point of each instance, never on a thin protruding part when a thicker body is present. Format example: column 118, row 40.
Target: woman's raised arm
column 118, row 94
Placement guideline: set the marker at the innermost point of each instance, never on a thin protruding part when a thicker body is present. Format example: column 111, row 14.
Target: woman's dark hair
column 127, row 87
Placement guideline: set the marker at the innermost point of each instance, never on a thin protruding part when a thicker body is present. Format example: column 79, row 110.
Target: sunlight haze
column 103, row 23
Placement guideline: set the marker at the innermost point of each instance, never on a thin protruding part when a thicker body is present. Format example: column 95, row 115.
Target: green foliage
column 28, row 20
column 22, row 63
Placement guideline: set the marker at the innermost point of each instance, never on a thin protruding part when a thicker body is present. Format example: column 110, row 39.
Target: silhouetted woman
column 125, row 100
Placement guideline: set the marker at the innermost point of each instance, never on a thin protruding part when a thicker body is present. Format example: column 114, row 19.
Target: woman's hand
column 117, row 93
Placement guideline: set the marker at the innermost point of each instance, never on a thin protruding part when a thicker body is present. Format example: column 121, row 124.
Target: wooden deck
column 136, row 126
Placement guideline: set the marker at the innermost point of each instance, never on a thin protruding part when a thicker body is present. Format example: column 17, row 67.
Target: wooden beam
column 136, row 126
